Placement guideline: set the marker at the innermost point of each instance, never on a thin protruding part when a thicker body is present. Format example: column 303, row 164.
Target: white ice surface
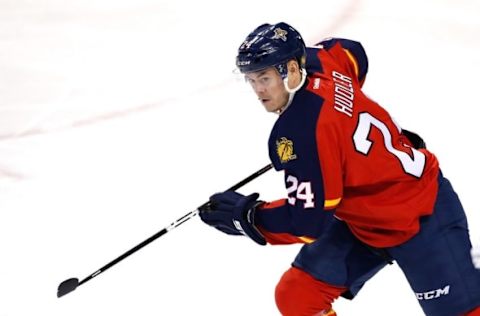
column 118, row 117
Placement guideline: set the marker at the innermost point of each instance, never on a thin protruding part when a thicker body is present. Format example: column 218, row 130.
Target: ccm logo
column 430, row 295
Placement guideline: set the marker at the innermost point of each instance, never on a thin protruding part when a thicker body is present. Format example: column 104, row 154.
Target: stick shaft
column 173, row 225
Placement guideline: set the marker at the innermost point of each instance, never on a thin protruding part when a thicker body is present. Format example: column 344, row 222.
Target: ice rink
column 118, row 117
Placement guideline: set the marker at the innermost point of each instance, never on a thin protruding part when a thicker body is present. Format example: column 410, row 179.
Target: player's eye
column 264, row 80
column 249, row 80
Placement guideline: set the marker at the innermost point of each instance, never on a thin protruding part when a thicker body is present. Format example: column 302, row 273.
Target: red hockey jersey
column 343, row 154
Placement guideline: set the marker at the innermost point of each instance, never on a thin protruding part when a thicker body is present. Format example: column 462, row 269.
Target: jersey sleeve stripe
column 332, row 203
column 306, row 240
column 273, row 204
column 353, row 60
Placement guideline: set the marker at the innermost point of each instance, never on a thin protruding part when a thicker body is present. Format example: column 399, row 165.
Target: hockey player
column 361, row 193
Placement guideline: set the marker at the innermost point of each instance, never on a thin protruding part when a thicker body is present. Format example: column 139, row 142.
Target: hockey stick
column 71, row 284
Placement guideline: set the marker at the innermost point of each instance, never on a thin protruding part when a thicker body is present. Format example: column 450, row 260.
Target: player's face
column 269, row 88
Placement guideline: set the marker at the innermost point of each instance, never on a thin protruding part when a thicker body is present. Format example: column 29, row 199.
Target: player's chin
column 269, row 105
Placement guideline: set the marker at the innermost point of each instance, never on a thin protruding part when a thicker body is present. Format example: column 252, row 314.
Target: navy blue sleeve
column 282, row 223
column 293, row 149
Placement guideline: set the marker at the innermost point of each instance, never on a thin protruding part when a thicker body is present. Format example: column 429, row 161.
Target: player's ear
column 294, row 73
column 292, row 66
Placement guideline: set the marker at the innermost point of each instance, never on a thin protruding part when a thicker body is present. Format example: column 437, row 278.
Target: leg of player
column 334, row 264
column 437, row 261
column 298, row 293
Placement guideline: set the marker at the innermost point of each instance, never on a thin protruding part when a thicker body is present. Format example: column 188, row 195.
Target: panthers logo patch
column 285, row 150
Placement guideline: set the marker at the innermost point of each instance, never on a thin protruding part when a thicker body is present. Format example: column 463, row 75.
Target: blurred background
column 118, row 117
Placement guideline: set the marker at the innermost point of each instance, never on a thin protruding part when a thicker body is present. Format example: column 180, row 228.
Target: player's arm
column 283, row 223
column 275, row 222
column 302, row 216
column 313, row 182
column 349, row 53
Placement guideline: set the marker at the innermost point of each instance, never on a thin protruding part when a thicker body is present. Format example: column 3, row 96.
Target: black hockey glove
column 415, row 139
column 233, row 214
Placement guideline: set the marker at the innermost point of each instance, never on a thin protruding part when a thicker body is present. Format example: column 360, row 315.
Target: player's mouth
column 264, row 100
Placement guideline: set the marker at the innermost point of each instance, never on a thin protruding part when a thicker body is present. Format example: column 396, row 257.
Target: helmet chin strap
column 291, row 92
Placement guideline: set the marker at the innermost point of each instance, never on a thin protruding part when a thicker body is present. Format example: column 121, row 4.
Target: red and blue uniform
column 355, row 184
column 327, row 128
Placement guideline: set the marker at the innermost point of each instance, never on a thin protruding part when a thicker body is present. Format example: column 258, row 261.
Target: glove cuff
column 244, row 220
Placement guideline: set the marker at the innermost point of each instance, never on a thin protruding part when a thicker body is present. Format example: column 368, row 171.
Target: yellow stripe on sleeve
column 332, row 203
column 331, row 312
column 353, row 60
column 306, row 240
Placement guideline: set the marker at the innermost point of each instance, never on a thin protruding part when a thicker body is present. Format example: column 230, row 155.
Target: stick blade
column 67, row 286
